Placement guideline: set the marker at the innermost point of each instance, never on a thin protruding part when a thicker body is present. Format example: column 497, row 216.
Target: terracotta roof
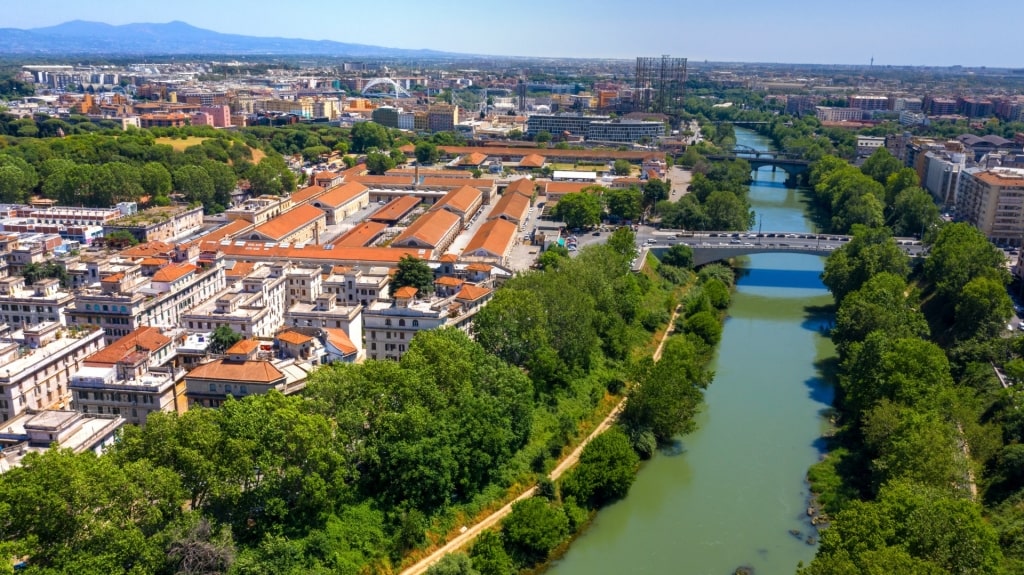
column 532, row 161
column 229, row 231
column 384, row 181
column 307, row 193
column 461, row 200
column 550, row 152
column 173, row 272
column 495, row 237
column 479, row 267
column 406, row 292
column 470, row 292
column 514, row 206
column 258, row 372
column 146, row 338
column 449, row 258
column 428, row 172
column 244, row 346
column 361, row 235
column 153, row 261
column 448, row 281
column 260, row 251
column 113, row 278
column 430, row 228
column 473, row 159
column 341, row 270
column 325, row 174
column 240, row 270
column 154, row 248
column 565, row 187
column 342, row 194
column 290, row 222
column 395, row 209
column 436, row 182
column 339, row 339
column 294, row 337
column 1002, row 178
column 524, row 186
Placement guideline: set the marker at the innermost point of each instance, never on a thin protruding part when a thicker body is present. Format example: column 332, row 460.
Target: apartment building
column 37, row 432
column 993, row 201
column 258, row 211
column 246, row 370
column 253, row 307
column 131, row 378
column 325, row 313
column 442, row 118
column 159, row 224
column 357, row 286
column 390, row 326
column 36, row 364
column 829, row 114
column 43, row 301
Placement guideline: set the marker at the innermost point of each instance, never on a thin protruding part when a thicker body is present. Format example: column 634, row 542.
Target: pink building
column 202, row 119
column 221, row 115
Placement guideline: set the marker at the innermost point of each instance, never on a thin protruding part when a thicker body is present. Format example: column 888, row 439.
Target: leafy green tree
column 489, row 555
column 624, row 204
column 314, row 153
column 427, row 152
column 378, row 163
column 880, row 305
column 880, row 165
column 223, row 338
column 542, row 137
column 914, row 212
column 667, row 393
column 655, row 190
column 621, row 167
column 960, row 254
column 552, row 257
column 453, row 564
column 727, row 211
column 716, row 292
column 904, row 179
column 906, row 371
column 120, row 238
column 705, row 326
column 680, row 256
column 869, row 253
column 533, row 529
column 155, row 179
column 605, row 472
column 413, row 272
column 982, row 308
column 623, row 242
column 224, row 181
column 195, row 183
column 579, row 210
column 512, row 326
column 368, row 135
column 271, row 176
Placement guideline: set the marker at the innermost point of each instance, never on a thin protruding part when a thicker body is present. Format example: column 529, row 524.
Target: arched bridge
column 399, row 91
column 794, row 167
column 714, row 246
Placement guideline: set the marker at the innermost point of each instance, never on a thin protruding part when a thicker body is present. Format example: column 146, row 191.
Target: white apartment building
column 993, row 201
column 253, row 307
column 44, row 301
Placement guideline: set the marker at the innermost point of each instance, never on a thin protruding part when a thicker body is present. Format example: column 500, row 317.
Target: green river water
column 729, row 494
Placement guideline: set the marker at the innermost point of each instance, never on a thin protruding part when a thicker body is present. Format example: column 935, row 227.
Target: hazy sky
column 898, row 32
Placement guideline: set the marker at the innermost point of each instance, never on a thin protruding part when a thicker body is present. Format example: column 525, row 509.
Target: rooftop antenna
column 872, row 61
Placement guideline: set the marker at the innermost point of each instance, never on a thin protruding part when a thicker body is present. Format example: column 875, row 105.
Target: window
column 227, row 388
column 401, row 323
column 243, row 389
column 213, row 387
column 415, row 323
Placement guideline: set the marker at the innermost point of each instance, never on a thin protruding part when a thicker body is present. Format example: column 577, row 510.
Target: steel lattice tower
column 659, row 84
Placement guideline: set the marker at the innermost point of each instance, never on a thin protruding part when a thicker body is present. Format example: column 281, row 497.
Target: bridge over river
column 714, row 246
column 794, row 166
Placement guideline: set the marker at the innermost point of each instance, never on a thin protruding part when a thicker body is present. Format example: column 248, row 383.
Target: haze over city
column 786, row 31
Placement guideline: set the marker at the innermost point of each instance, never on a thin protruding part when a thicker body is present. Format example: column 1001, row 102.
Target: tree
column 542, row 137
column 224, row 181
column 880, row 165
column 369, row 135
column 605, row 472
column 222, row 339
column 705, row 326
column 625, row 204
column 195, row 183
column 378, row 163
column 960, row 254
column 667, row 393
column 513, row 326
column 881, row 304
column 655, row 190
column 120, row 239
column 271, row 176
column 453, row 564
column 869, row 253
column 679, row 255
column 427, row 152
column 314, row 153
column 489, row 555
column 155, row 179
column 914, row 212
column 982, row 308
column 622, row 168
column 727, row 211
column 413, row 272
column 579, row 210
column 533, row 529
column 623, row 242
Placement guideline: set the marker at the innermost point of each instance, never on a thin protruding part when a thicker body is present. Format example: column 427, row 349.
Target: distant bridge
column 741, row 122
column 398, row 90
column 714, row 246
column 793, row 166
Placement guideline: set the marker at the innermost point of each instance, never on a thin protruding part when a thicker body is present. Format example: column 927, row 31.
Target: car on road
column 596, row 234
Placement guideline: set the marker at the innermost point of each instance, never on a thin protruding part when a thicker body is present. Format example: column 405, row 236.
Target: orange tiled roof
column 339, row 339
column 154, row 261
column 438, row 182
column 532, row 161
column 260, row 251
column 146, row 338
column 384, row 181
column 258, row 372
column 229, row 230
column 361, row 235
column 470, row 292
column 406, row 292
column 495, row 237
column 307, row 193
column 449, row 258
column 244, row 346
column 461, row 200
column 294, row 337
column 240, row 270
column 550, row 152
column 431, row 228
column 473, row 159
column 154, row 248
column 396, row 209
column 478, row 267
column 113, row 278
column 448, row 281
column 288, row 223
column 342, row 194
column 511, row 205
column 1001, row 179
column 173, row 272
column 524, row 186
column 565, row 187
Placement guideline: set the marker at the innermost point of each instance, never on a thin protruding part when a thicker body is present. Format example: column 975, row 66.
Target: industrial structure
column 659, row 84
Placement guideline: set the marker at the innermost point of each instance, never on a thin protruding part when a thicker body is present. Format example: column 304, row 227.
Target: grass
column 180, row 145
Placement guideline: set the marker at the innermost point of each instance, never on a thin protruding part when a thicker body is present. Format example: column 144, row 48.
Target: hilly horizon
column 82, row 37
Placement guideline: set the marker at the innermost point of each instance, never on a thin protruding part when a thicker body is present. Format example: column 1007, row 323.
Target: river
column 728, row 494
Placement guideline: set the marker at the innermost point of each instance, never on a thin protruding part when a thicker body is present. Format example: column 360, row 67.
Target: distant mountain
column 81, row 37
